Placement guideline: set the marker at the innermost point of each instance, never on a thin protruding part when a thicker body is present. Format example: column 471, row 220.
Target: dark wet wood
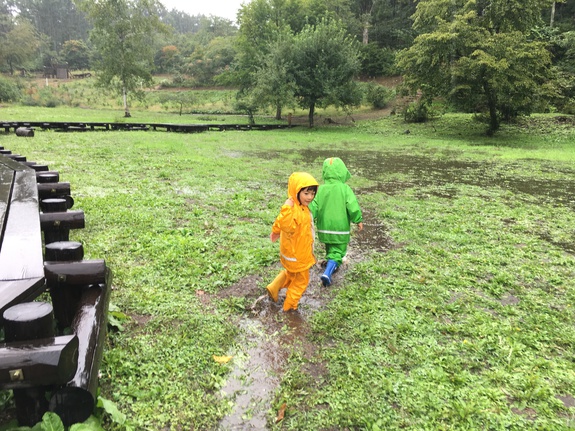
column 67, row 282
column 53, row 190
column 90, row 324
column 53, row 205
column 28, row 321
column 21, row 260
column 181, row 128
column 62, row 220
column 63, row 251
column 81, row 273
column 52, row 360
column 50, row 174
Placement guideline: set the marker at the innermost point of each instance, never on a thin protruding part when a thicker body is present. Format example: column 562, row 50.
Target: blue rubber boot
column 329, row 269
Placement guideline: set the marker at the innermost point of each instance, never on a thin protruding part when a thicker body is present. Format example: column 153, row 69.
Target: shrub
column 9, row 91
column 418, row 112
column 378, row 96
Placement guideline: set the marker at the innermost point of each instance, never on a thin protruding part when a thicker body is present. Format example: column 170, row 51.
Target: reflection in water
column 258, row 366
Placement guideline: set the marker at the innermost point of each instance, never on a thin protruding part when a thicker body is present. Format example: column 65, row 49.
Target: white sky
column 222, row 8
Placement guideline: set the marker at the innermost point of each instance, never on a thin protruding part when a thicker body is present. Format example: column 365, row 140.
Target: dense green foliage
column 480, row 58
column 499, row 59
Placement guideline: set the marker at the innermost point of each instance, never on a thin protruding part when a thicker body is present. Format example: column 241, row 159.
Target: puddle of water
column 254, row 379
column 269, row 336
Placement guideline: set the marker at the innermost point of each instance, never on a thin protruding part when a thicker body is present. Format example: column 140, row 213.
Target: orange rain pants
column 296, row 284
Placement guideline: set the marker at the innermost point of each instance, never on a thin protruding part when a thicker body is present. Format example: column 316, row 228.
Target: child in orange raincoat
column 294, row 228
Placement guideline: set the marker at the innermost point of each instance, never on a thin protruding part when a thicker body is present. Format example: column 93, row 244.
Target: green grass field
column 454, row 312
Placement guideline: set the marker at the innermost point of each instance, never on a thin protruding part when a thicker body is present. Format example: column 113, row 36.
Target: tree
column 324, row 63
column 123, row 38
column 210, row 60
column 274, row 81
column 18, row 42
column 59, row 20
column 478, row 55
column 76, row 53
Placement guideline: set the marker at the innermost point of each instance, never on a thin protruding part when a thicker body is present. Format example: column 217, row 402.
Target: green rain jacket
column 335, row 206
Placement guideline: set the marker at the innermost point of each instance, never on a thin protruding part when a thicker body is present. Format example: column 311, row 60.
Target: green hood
column 335, row 170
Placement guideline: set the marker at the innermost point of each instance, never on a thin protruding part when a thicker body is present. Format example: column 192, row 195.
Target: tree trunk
column 125, row 97
column 278, row 112
column 311, row 113
column 492, row 104
column 365, row 40
column 552, row 15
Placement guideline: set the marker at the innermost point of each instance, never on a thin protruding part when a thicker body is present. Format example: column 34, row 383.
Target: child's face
column 306, row 195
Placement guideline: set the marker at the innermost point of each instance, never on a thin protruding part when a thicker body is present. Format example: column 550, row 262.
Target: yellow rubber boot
column 275, row 286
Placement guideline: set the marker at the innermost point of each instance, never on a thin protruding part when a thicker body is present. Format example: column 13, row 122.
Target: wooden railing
column 53, row 303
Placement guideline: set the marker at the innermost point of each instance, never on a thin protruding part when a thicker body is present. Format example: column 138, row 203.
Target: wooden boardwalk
column 69, row 126
column 21, row 261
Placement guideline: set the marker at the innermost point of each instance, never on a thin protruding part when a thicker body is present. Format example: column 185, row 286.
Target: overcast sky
column 223, row 8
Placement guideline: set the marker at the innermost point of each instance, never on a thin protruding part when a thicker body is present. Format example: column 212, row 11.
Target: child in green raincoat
column 294, row 228
column 334, row 208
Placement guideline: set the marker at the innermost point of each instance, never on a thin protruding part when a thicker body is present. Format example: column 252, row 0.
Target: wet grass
column 466, row 322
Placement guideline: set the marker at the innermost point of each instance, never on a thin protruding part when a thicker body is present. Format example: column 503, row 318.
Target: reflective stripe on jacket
column 335, row 206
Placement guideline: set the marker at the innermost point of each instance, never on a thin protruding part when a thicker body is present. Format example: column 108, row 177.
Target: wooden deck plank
column 21, row 260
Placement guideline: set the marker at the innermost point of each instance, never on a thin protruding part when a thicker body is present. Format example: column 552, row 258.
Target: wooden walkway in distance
column 21, row 260
column 69, row 126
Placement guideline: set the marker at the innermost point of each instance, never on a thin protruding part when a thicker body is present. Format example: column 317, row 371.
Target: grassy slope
column 466, row 324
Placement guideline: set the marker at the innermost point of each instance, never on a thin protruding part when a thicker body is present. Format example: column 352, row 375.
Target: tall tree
column 60, row 20
column 19, row 42
column 478, row 55
column 262, row 24
column 274, row 81
column 324, row 63
column 76, row 53
column 123, row 38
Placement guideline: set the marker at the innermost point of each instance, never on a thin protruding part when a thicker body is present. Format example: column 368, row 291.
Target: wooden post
column 51, row 175
column 54, row 205
column 47, row 177
column 63, row 251
column 75, row 403
column 28, row 321
column 53, row 190
column 42, row 362
column 56, row 226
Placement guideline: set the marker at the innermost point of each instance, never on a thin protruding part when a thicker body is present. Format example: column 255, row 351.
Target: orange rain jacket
column 295, row 226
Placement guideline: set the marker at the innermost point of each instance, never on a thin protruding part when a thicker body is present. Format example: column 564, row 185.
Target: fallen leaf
column 281, row 413
column 222, row 359
column 200, row 292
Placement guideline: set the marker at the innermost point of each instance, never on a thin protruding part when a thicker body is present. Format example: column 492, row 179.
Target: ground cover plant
column 455, row 310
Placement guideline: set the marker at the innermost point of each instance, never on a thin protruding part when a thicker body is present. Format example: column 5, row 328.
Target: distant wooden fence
column 52, row 348
column 69, row 126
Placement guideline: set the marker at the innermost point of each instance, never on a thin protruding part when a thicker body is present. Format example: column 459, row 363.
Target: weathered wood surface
column 44, row 361
column 21, row 261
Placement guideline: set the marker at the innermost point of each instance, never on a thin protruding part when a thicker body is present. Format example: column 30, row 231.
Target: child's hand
column 289, row 202
column 274, row 236
column 360, row 226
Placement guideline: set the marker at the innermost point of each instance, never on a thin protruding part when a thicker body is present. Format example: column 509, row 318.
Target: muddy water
column 270, row 336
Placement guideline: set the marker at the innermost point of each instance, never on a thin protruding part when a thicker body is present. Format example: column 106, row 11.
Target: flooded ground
column 270, row 336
